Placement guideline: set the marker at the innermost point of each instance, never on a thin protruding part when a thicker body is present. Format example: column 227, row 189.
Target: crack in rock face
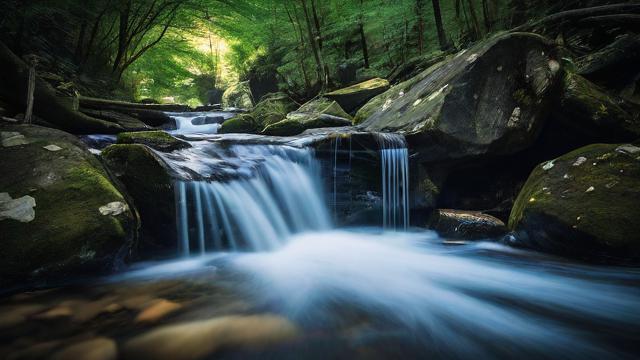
column 113, row 208
column 20, row 209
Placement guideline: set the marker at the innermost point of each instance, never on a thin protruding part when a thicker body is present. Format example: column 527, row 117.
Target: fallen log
column 116, row 105
column 47, row 105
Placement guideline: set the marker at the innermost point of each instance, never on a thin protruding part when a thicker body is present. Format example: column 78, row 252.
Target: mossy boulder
column 82, row 223
column 238, row 96
column 150, row 184
column 318, row 113
column 241, row 123
column 353, row 97
column 583, row 205
column 272, row 108
column 159, row 140
column 383, row 100
column 589, row 109
column 491, row 99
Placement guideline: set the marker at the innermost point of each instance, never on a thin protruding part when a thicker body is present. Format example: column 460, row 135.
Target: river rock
column 614, row 65
column 238, row 96
column 199, row 339
column 67, row 235
column 159, row 140
column 150, row 185
column 491, row 99
column 590, row 109
column 465, row 225
column 585, row 206
column 241, row 123
column 318, row 113
column 353, row 97
column 95, row 349
column 273, row 108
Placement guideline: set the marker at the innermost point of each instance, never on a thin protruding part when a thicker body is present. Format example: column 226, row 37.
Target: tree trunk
column 363, row 39
column 420, row 24
column 48, row 106
column 314, row 47
column 442, row 36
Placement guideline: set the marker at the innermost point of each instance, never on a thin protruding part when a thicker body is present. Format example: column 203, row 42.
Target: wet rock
column 68, row 236
column 353, row 97
column 198, row 339
column 95, row 349
column 149, row 183
column 614, row 65
column 12, row 138
column 11, row 316
column 489, row 100
column 157, row 310
column 319, row 113
column 159, row 140
column 587, row 211
column 20, row 209
column 273, row 108
column 241, row 123
column 465, row 225
column 238, row 96
column 590, row 110
column 207, row 120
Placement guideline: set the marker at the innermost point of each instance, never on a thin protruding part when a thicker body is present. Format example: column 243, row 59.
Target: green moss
column 596, row 201
column 323, row 106
column 371, row 84
column 522, row 97
column 68, row 232
column 159, row 140
column 243, row 123
column 272, row 108
column 286, row 127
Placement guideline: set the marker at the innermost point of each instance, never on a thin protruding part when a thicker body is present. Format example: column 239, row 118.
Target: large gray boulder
column 488, row 100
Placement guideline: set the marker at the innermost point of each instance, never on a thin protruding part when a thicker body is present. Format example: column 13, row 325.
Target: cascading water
column 394, row 157
column 273, row 193
column 199, row 122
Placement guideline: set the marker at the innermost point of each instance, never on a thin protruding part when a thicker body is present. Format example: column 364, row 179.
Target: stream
column 257, row 235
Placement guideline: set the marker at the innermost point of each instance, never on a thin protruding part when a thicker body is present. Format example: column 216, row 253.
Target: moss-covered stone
column 583, row 204
column 238, row 96
column 69, row 235
column 590, row 109
column 150, row 185
column 385, row 99
column 242, row 123
column 317, row 113
column 159, row 140
column 273, row 108
column 353, row 97
column 465, row 107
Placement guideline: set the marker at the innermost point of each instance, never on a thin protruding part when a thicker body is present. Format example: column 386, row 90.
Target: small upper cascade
column 394, row 157
column 199, row 122
column 274, row 193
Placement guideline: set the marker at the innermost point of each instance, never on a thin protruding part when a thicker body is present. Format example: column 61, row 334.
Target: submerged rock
column 238, row 96
column 318, row 113
column 199, row 339
column 100, row 348
column 585, row 209
column 159, row 140
column 148, row 182
column 465, row 225
column 490, row 99
column 353, row 97
column 67, row 235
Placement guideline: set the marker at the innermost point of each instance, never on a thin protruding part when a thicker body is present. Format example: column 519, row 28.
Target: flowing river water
column 256, row 236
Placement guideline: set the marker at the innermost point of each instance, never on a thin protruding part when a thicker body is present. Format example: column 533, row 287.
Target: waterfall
column 199, row 122
column 277, row 193
column 394, row 157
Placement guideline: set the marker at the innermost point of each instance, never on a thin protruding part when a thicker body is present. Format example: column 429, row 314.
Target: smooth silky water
column 256, row 217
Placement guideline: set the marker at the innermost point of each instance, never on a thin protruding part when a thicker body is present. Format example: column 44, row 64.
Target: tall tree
column 442, row 36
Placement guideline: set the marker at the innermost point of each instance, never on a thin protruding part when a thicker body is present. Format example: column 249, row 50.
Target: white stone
column 12, row 138
column 20, row 209
column 113, row 208
column 590, row 189
column 52, row 147
column 514, row 119
column 548, row 165
column 579, row 161
column 628, row 149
